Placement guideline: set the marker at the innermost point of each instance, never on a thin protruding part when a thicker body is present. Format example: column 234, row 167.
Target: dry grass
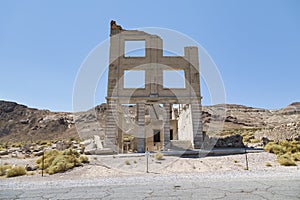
column 287, row 152
column 16, row 171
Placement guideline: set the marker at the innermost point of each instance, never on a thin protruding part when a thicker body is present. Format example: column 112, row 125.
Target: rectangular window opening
column 173, row 79
column 156, row 135
column 135, row 48
column 134, row 79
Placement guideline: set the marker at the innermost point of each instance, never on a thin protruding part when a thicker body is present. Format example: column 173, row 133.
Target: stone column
column 141, row 127
column 197, row 124
column 166, row 126
column 111, row 125
column 120, row 140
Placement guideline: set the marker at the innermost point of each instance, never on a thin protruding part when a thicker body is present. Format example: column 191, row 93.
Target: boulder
column 234, row 141
column 98, row 142
column 30, row 168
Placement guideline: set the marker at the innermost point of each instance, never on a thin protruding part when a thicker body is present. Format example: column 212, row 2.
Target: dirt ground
column 135, row 165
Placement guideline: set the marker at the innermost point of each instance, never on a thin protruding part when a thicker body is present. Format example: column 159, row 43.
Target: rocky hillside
column 20, row 123
column 273, row 124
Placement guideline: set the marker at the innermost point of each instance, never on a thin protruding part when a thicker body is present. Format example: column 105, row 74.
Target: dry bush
column 16, row 171
column 296, row 156
column 275, row 148
column 287, row 152
column 127, row 162
column 59, row 161
column 286, row 160
column 255, row 140
column 159, row 156
column 4, row 168
column 84, row 159
column 268, row 164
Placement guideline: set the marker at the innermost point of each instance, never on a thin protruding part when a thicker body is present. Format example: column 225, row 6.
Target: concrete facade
column 152, row 96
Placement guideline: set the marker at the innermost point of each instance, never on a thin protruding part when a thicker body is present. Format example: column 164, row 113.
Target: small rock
column 39, row 153
column 3, row 153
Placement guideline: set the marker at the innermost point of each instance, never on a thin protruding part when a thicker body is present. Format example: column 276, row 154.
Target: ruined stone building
column 151, row 116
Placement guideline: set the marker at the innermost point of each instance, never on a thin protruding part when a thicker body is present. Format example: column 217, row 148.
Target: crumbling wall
column 185, row 125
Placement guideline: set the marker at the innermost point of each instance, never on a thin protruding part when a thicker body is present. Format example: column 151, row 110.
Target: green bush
column 84, row 159
column 285, row 160
column 287, row 152
column 16, row 171
column 159, row 156
column 62, row 163
column 59, row 161
column 3, row 169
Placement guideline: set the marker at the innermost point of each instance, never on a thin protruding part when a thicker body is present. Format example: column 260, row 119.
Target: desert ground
column 113, row 177
column 135, row 164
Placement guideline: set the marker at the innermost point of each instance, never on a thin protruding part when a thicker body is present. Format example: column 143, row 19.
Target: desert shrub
column 127, row 162
column 48, row 158
column 62, row 163
column 287, row 152
column 296, row 156
column 16, row 171
column 30, row 173
column 268, row 164
column 275, row 148
column 84, row 159
column 71, row 152
column 255, row 140
column 159, row 156
column 16, row 144
column 285, row 160
column 247, row 137
column 4, row 168
column 59, row 161
column 283, row 147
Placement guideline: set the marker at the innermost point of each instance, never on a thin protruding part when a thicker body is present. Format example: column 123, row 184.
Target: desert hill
column 20, row 123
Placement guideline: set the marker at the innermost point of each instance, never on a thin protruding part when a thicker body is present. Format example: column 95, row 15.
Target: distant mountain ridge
column 21, row 123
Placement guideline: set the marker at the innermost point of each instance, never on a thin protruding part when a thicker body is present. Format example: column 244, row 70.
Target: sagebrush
column 60, row 161
column 287, row 152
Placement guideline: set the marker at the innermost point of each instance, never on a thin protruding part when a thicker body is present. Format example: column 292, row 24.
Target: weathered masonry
column 148, row 111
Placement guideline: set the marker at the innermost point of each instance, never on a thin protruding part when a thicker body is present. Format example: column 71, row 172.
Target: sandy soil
column 132, row 165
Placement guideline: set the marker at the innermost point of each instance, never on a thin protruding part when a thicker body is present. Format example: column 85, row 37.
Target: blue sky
column 255, row 45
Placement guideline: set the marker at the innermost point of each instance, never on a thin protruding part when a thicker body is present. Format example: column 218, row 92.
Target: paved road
column 155, row 187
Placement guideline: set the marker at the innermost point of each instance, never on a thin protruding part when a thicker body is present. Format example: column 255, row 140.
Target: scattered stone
column 30, row 168
column 39, row 153
column 3, row 153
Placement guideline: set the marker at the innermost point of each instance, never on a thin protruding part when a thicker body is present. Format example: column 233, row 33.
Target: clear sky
column 255, row 45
